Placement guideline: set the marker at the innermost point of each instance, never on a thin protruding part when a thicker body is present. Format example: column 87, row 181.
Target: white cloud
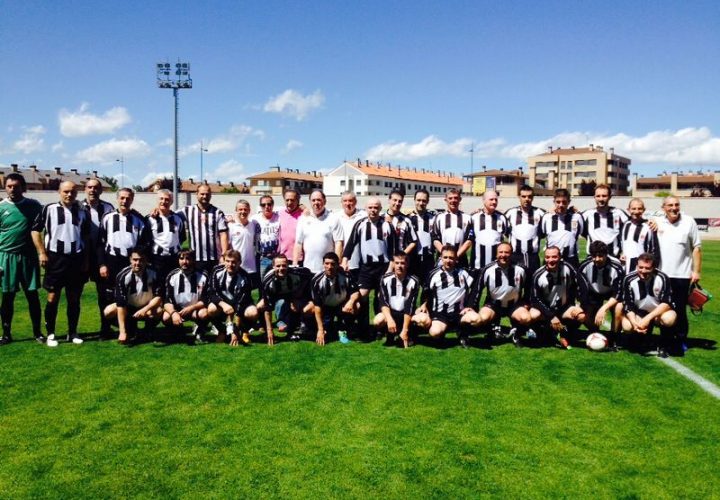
column 31, row 140
column 57, row 147
column 80, row 122
column 230, row 170
column 292, row 145
column 165, row 143
column 292, row 103
column 225, row 143
column 688, row 146
column 110, row 150
column 153, row 176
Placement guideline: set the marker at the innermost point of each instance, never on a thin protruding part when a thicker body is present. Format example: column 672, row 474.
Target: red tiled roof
column 406, row 174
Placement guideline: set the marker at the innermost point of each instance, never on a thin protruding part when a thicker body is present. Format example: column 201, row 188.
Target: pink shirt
column 288, row 225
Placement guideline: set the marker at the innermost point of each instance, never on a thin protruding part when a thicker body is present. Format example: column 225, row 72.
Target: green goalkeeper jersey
column 16, row 219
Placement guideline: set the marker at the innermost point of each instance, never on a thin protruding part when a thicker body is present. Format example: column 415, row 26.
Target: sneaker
column 515, row 337
column 390, row 340
column 246, row 339
column 343, row 338
column 662, row 353
column 464, row 342
column 51, row 342
column 197, row 335
column 531, row 334
column 40, row 338
column 75, row 339
column 564, row 342
column 281, row 326
column 214, row 330
column 5, row 339
column 295, row 337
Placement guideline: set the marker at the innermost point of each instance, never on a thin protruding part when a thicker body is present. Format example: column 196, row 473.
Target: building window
column 342, row 182
column 359, row 182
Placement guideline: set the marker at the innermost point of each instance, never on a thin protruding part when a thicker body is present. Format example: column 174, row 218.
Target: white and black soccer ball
column 596, row 342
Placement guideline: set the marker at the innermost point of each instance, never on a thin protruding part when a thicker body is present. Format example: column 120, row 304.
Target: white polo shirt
column 245, row 239
column 318, row 235
column 348, row 222
column 677, row 242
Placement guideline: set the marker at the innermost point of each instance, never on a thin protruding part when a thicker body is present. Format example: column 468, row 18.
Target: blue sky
column 308, row 84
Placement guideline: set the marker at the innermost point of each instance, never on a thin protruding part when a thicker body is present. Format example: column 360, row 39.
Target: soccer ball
column 596, row 342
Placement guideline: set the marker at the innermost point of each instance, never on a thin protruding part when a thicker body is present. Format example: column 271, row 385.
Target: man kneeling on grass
column 186, row 290
column 230, row 299
column 447, row 299
column 287, row 291
column 398, row 292
column 335, row 298
column 555, row 288
column 647, row 301
column 508, row 295
column 138, row 296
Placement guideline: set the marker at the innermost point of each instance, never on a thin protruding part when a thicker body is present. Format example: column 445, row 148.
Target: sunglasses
column 266, row 204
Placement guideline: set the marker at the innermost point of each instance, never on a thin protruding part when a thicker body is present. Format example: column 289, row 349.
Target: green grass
column 102, row 420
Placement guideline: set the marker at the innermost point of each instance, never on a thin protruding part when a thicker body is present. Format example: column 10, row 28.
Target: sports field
column 298, row 420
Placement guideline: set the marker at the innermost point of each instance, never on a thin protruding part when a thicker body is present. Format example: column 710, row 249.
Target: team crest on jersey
column 517, row 280
column 657, row 290
column 574, row 225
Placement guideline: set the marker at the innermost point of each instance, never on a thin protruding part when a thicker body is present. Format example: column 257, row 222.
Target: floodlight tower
column 176, row 79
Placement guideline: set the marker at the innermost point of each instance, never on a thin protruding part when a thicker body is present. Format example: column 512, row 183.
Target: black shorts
column 501, row 311
column 398, row 317
column 64, row 271
column 370, row 274
column 529, row 260
column 451, row 320
column 559, row 311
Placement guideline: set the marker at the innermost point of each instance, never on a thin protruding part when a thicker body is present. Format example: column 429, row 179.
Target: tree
column 112, row 181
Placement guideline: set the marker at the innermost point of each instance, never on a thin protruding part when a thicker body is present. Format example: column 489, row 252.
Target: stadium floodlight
column 176, row 79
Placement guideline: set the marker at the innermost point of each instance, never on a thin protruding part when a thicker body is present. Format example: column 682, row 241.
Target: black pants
column 529, row 260
column 680, row 289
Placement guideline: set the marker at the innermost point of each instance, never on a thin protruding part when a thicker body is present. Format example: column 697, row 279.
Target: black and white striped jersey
column 506, row 286
column 348, row 223
column 451, row 229
column 487, row 231
column 233, row 289
column 562, row 231
column 554, row 291
column 399, row 295
column 524, row 229
column 96, row 215
column 602, row 282
column 136, row 290
column 605, row 227
column 168, row 233
column 643, row 296
column 422, row 224
column 204, row 229
column 449, row 292
column 637, row 238
column 185, row 289
column 67, row 230
column 376, row 241
column 404, row 231
column 332, row 292
column 120, row 233
column 295, row 285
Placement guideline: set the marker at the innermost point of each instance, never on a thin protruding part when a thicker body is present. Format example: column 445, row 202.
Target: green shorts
column 19, row 270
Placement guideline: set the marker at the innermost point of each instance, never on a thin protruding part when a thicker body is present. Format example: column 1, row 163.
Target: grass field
column 156, row 420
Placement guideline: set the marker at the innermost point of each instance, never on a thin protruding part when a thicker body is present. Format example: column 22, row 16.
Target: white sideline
column 686, row 372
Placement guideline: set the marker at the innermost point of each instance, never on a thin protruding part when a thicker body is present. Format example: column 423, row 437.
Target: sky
column 306, row 85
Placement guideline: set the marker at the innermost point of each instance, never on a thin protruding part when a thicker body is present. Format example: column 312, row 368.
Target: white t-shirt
column 245, row 239
column 269, row 234
column 677, row 242
column 318, row 235
column 347, row 226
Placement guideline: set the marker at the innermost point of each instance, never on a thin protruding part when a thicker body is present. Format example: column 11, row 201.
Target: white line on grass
column 686, row 372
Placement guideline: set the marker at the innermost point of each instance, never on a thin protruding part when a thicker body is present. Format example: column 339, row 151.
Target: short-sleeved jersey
column 120, row 233
column 318, row 236
column 332, row 292
column 423, row 226
column 184, row 289
column 295, row 285
column 602, row 282
column 204, row 229
column 506, row 286
column 525, row 229
column 637, row 238
column 16, row 222
column 348, row 222
column 404, row 231
column 677, row 241
column 643, row 296
column 245, row 238
column 167, row 233
column 562, row 231
column 605, row 227
column 375, row 241
column 66, row 229
column 553, row 291
column 270, row 234
column 233, row 289
column 449, row 292
column 487, row 231
column 136, row 289
column 451, row 229
column 96, row 216
column 399, row 295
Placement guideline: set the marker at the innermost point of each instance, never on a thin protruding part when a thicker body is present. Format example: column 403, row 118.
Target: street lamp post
column 202, row 150
column 175, row 80
column 122, row 171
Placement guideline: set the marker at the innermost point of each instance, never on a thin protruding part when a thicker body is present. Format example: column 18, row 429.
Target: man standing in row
column 318, row 233
column 19, row 267
column 524, row 223
column 207, row 228
column 488, row 228
column 167, row 229
column 422, row 261
column 452, row 227
column 603, row 223
column 562, row 228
